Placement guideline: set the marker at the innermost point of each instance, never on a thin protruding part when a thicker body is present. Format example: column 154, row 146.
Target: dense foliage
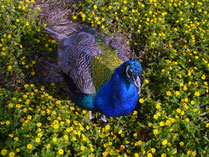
column 172, row 117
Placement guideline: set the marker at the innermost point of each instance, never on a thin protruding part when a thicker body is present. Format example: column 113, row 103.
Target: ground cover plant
column 170, row 39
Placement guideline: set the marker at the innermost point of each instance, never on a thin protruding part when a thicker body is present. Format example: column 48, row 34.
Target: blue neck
column 123, row 90
column 118, row 97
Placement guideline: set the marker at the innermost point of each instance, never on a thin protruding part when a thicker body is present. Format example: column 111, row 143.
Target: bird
column 99, row 74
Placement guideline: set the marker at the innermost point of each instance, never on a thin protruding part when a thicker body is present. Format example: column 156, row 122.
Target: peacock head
column 133, row 71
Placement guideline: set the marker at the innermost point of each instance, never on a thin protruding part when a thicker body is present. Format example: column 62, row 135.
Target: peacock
column 99, row 74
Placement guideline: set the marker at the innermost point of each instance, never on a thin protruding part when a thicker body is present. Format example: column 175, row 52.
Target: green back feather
column 104, row 64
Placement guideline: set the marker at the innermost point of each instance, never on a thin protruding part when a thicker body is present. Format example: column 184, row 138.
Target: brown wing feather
column 75, row 54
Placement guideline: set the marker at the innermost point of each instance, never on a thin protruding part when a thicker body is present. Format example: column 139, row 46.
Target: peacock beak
column 137, row 83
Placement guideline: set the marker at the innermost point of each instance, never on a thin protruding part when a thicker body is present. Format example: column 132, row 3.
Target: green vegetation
column 172, row 116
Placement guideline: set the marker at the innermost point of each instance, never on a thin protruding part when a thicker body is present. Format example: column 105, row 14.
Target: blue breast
column 117, row 97
column 84, row 101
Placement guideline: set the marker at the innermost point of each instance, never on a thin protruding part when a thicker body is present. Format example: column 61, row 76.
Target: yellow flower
column 38, row 124
column 196, row 139
column 146, row 81
column 48, row 146
column 136, row 155
column 177, row 93
column 164, row 142
column 65, row 137
column 82, row 148
column 203, row 77
column 181, row 84
column 58, row 102
column 168, row 93
column 11, row 154
column 55, row 126
column 189, row 152
column 155, row 116
column 25, row 96
column 74, row 17
column 105, row 154
column 158, row 114
column 153, row 150
column 68, row 129
column 158, row 105
column 195, row 109
column 3, row 152
column 197, row 93
column 40, row 134
column 187, row 120
column 138, row 143
column 107, row 127
column 141, row 100
column 10, row 105
column 163, row 155
column 74, row 139
column 207, row 125
column 204, row 151
column 192, row 102
column 178, row 110
column 54, row 139
column 161, row 123
column 135, row 113
column 95, row 6
column 149, row 155
column 29, row 117
column 29, row 146
column 16, row 139
column 37, row 140
column 181, row 144
column 185, row 88
column 60, row 151
column 3, row 53
column 9, row 68
column 122, row 146
column 182, row 113
column 120, row 132
column 194, row 153
column 7, row 122
column 150, row 124
column 175, row 151
column 155, row 131
column 17, row 149
column 168, row 122
column 173, row 120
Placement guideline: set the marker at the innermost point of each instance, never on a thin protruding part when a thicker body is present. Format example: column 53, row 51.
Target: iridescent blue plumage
column 99, row 75
column 119, row 96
